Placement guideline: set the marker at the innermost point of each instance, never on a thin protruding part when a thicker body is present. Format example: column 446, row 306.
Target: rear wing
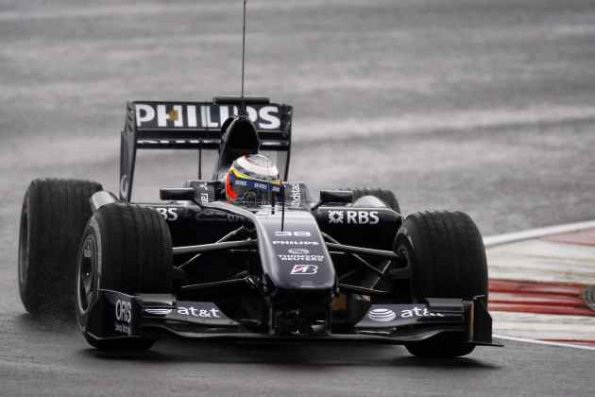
column 196, row 125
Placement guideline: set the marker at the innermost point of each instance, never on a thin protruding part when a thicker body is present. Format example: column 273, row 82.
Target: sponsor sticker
column 169, row 214
column 301, row 258
column 197, row 312
column 296, row 195
column 298, row 251
column 283, row 233
column 158, row 311
column 123, row 316
column 200, row 312
column 383, row 315
column 352, row 217
column 335, row 216
column 292, row 242
column 123, row 311
column 301, row 233
column 203, row 115
column 304, row 269
column 288, row 233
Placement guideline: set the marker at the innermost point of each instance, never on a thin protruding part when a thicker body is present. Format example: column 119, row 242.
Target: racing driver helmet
column 252, row 180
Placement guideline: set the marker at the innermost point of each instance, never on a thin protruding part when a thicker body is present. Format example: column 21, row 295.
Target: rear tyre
column 53, row 217
column 131, row 246
column 447, row 258
column 386, row 196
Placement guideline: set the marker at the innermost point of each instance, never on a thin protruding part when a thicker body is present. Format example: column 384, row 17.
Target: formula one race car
column 198, row 264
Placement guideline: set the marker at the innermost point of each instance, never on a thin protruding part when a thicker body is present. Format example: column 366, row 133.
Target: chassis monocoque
column 348, row 266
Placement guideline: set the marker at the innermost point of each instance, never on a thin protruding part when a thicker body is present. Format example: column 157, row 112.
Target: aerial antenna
column 200, row 158
column 243, row 104
column 282, row 206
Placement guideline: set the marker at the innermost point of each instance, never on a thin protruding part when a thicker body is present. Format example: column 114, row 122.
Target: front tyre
column 447, row 258
column 125, row 248
column 53, row 216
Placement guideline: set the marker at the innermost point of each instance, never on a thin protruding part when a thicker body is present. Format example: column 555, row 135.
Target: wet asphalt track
column 484, row 106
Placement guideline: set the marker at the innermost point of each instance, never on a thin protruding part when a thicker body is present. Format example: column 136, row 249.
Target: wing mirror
column 179, row 193
column 334, row 197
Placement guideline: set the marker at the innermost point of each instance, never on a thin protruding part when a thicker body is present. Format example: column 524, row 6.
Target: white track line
column 509, row 238
column 542, row 342
column 537, row 233
column 541, row 260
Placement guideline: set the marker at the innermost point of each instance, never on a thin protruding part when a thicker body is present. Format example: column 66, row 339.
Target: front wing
column 116, row 315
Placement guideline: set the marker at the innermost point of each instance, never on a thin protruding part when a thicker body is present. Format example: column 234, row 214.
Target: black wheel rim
column 24, row 246
column 86, row 288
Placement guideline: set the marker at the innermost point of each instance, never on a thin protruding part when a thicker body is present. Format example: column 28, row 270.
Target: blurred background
column 484, row 106
column 478, row 105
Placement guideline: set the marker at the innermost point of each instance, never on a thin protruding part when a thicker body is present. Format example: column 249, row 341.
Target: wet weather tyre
column 125, row 248
column 386, row 196
column 447, row 258
column 53, row 217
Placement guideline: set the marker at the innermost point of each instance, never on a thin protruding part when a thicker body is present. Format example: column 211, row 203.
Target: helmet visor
column 250, row 192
